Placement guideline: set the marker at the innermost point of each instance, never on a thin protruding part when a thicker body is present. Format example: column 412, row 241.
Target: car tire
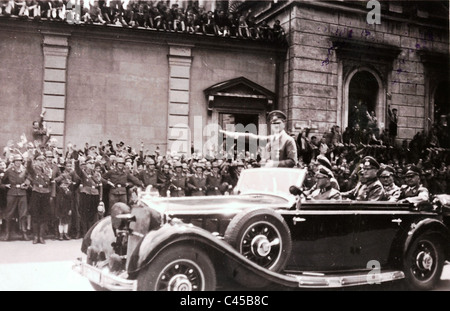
column 424, row 262
column 178, row 268
column 262, row 236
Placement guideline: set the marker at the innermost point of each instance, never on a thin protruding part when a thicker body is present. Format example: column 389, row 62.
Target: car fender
column 177, row 232
column 430, row 225
column 100, row 236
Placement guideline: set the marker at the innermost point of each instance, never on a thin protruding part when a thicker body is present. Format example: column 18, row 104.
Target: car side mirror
column 294, row 190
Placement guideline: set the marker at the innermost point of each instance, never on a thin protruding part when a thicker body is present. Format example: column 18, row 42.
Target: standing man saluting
column 281, row 148
column 119, row 179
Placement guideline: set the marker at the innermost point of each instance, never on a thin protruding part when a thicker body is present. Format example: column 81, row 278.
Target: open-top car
column 265, row 234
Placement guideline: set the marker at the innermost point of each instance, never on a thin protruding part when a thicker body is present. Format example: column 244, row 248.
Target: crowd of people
column 147, row 14
column 48, row 193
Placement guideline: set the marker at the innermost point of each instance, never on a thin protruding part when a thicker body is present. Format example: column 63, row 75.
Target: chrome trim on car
column 103, row 277
column 332, row 281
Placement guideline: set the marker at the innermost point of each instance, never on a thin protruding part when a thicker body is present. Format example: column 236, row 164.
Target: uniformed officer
column 119, row 179
column 413, row 191
column 386, row 177
column 55, row 172
column 281, row 148
column 40, row 210
column 370, row 188
column 214, row 181
column 16, row 180
column 149, row 176
column 325, row 190
column 197, row 182
column 178, row 182
column 89, row 192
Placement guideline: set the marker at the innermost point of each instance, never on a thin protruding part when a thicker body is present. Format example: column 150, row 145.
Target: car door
column 322, row 236
column 377, row 227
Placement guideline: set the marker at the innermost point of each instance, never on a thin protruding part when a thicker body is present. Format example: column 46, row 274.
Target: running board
column 316, row 280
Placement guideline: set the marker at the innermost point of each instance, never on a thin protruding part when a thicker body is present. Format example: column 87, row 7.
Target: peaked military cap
column 413, row 170
column 276, row 115
column 371, row 162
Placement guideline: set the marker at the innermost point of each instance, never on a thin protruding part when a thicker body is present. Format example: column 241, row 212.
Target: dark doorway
column 239, row 122
column 441, row 101
column 363, row 92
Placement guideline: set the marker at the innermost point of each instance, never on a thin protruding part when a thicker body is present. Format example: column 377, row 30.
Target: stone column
column 56, row 51
column 180, row 61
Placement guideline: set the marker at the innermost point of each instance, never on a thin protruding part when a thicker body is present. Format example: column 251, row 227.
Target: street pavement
column 28, row 267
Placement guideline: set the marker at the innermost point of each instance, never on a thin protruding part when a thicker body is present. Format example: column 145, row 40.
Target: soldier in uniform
column 214, row 181
column 197, row 182
column 119, row 179
column 325, row 190
column 413, row 191
column 89, row 193
column 386, row 176
column 281, row 148
column 55, row 172
column 178, row 182
column 149, row 175
column 16, row 180
column 40, row 210
column 370, row 188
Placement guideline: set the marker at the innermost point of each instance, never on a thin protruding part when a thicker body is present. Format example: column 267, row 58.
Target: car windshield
column 271, row 180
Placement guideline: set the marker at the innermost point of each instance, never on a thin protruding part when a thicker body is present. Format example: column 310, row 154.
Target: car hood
column 217, row 204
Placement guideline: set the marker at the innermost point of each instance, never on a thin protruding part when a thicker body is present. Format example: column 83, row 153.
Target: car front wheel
column 179, row 268
column 424, row 262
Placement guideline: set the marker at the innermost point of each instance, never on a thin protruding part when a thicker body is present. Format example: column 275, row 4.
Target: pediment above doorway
column 239, row 92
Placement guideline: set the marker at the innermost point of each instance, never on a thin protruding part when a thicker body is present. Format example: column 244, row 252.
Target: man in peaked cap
column 413, row 191
column 281, row 148
column 16, row 181
column 325, row 190
column 386, row 177
column 372, row 190
column 369, row 188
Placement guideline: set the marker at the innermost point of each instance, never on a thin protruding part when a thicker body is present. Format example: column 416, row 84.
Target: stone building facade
column 163, row 89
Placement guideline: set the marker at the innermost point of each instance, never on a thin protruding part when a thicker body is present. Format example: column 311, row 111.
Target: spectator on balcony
column 209, row 24
column 58, row 10
column 265, row 32
column 278, row 31
column 243, row 27
column 252, row 27
column 7, row 7
column 222, row 25
column 94, row 14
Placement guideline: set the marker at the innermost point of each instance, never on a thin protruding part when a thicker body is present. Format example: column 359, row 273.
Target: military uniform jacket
column 67, row 182
column 371, row 191
column 89, row 184
column 213, row 184
column 178, row 184
column 282, row 148
column 40, row 178
column 120, row 180
column 392, row 192
column 415, row 194
column 197, row 184
column 149, row 178
column 328, row 193
column 18, row 179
